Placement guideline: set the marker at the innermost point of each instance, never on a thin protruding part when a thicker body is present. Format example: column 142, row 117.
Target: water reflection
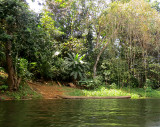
column 80, row 113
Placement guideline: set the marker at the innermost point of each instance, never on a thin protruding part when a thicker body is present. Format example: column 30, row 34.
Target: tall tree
column 15, row 24
column 136, row 28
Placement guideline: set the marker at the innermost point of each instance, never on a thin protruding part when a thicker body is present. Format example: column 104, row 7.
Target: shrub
column 74, row 65
column 92, row 83
column 22, row 68
column 3, row 88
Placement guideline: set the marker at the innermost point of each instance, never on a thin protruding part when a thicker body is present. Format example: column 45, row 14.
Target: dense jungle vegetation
column 91, row 43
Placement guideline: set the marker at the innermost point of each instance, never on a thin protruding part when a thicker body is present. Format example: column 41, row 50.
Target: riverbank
column 51, row 90
column 135, row 93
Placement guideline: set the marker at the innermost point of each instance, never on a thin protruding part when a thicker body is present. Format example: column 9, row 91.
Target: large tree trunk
column 13, row 81
column 97, row 60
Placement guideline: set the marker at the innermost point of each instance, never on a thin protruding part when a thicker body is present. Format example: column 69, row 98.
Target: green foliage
column 33, row 68
column 3, row 88
column 3, row 79
column 102, row 91
column 135, row 93
column 129, row 64
column 2, row 56
column 84, row 27
column 24, row 92
column 58, row 72
column 98, row 81
column 22, row 68
column 1, row 69
column 115, row 71
column 75, row 66
column 148, row 85
column 156, row 4
column 88, row 83
column 48, row 24
column 73, row 92
column 113, row 86
column 92, row 83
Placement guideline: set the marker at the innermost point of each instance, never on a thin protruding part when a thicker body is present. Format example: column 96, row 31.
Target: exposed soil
column 48, row 90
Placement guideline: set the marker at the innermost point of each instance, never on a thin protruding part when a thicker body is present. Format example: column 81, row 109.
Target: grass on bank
column 24, row 92
column 73, row 91
column 135, row 93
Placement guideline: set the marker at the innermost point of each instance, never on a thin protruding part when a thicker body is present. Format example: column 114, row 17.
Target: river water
column 80, row 113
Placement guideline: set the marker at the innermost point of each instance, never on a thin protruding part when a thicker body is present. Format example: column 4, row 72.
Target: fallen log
column 84, row 97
